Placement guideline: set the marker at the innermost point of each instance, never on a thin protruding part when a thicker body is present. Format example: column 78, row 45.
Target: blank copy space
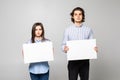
column 38, row 52
column 81, row 49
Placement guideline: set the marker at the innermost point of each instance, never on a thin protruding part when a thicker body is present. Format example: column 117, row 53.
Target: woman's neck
column 38, row 38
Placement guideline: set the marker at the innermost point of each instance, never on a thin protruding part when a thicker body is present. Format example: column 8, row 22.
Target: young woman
column 38, row 70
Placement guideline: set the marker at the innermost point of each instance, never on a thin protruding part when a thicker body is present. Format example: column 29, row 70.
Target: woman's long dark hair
column 33, row 31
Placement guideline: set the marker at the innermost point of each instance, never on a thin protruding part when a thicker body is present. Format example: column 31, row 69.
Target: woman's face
column 38, row 31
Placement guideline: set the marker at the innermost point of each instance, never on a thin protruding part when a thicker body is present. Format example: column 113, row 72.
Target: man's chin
column 78, row 21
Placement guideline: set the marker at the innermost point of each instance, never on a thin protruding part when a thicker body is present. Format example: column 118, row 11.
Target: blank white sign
column 81, row 49
column 38, row 52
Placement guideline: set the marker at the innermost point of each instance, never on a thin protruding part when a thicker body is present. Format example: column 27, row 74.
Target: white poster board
column 38, row 52
column 81, row 49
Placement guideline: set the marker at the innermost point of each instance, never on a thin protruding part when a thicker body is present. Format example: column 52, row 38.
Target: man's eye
column 75, row 14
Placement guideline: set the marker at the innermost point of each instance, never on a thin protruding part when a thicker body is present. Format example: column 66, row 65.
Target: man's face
column 38, row 31
column 77, row 16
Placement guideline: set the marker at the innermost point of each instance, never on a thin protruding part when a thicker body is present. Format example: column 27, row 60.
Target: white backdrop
column 18, row 16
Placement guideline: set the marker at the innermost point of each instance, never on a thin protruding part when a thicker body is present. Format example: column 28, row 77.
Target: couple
column 78, row 31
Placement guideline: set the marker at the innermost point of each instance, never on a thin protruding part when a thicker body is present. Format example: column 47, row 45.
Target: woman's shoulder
column 28, row 41
column 47, row 40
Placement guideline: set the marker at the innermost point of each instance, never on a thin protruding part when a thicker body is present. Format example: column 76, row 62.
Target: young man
column 77, row 31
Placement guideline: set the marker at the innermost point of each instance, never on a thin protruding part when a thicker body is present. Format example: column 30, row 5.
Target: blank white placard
column 38, row 52
column 81, row 49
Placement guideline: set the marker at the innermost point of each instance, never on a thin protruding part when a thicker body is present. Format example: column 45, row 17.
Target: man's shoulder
column 87, row 27
column 69, row 27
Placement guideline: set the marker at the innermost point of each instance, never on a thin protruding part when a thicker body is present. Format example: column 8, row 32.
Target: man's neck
column 78, row 24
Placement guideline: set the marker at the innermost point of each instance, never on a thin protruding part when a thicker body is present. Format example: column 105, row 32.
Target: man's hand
column 96, row 49
column 66, row 49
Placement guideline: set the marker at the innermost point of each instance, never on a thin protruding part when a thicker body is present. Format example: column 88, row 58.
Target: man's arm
column 65, row 39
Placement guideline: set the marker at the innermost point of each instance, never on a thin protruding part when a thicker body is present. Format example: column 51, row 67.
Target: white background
column 18, row 16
